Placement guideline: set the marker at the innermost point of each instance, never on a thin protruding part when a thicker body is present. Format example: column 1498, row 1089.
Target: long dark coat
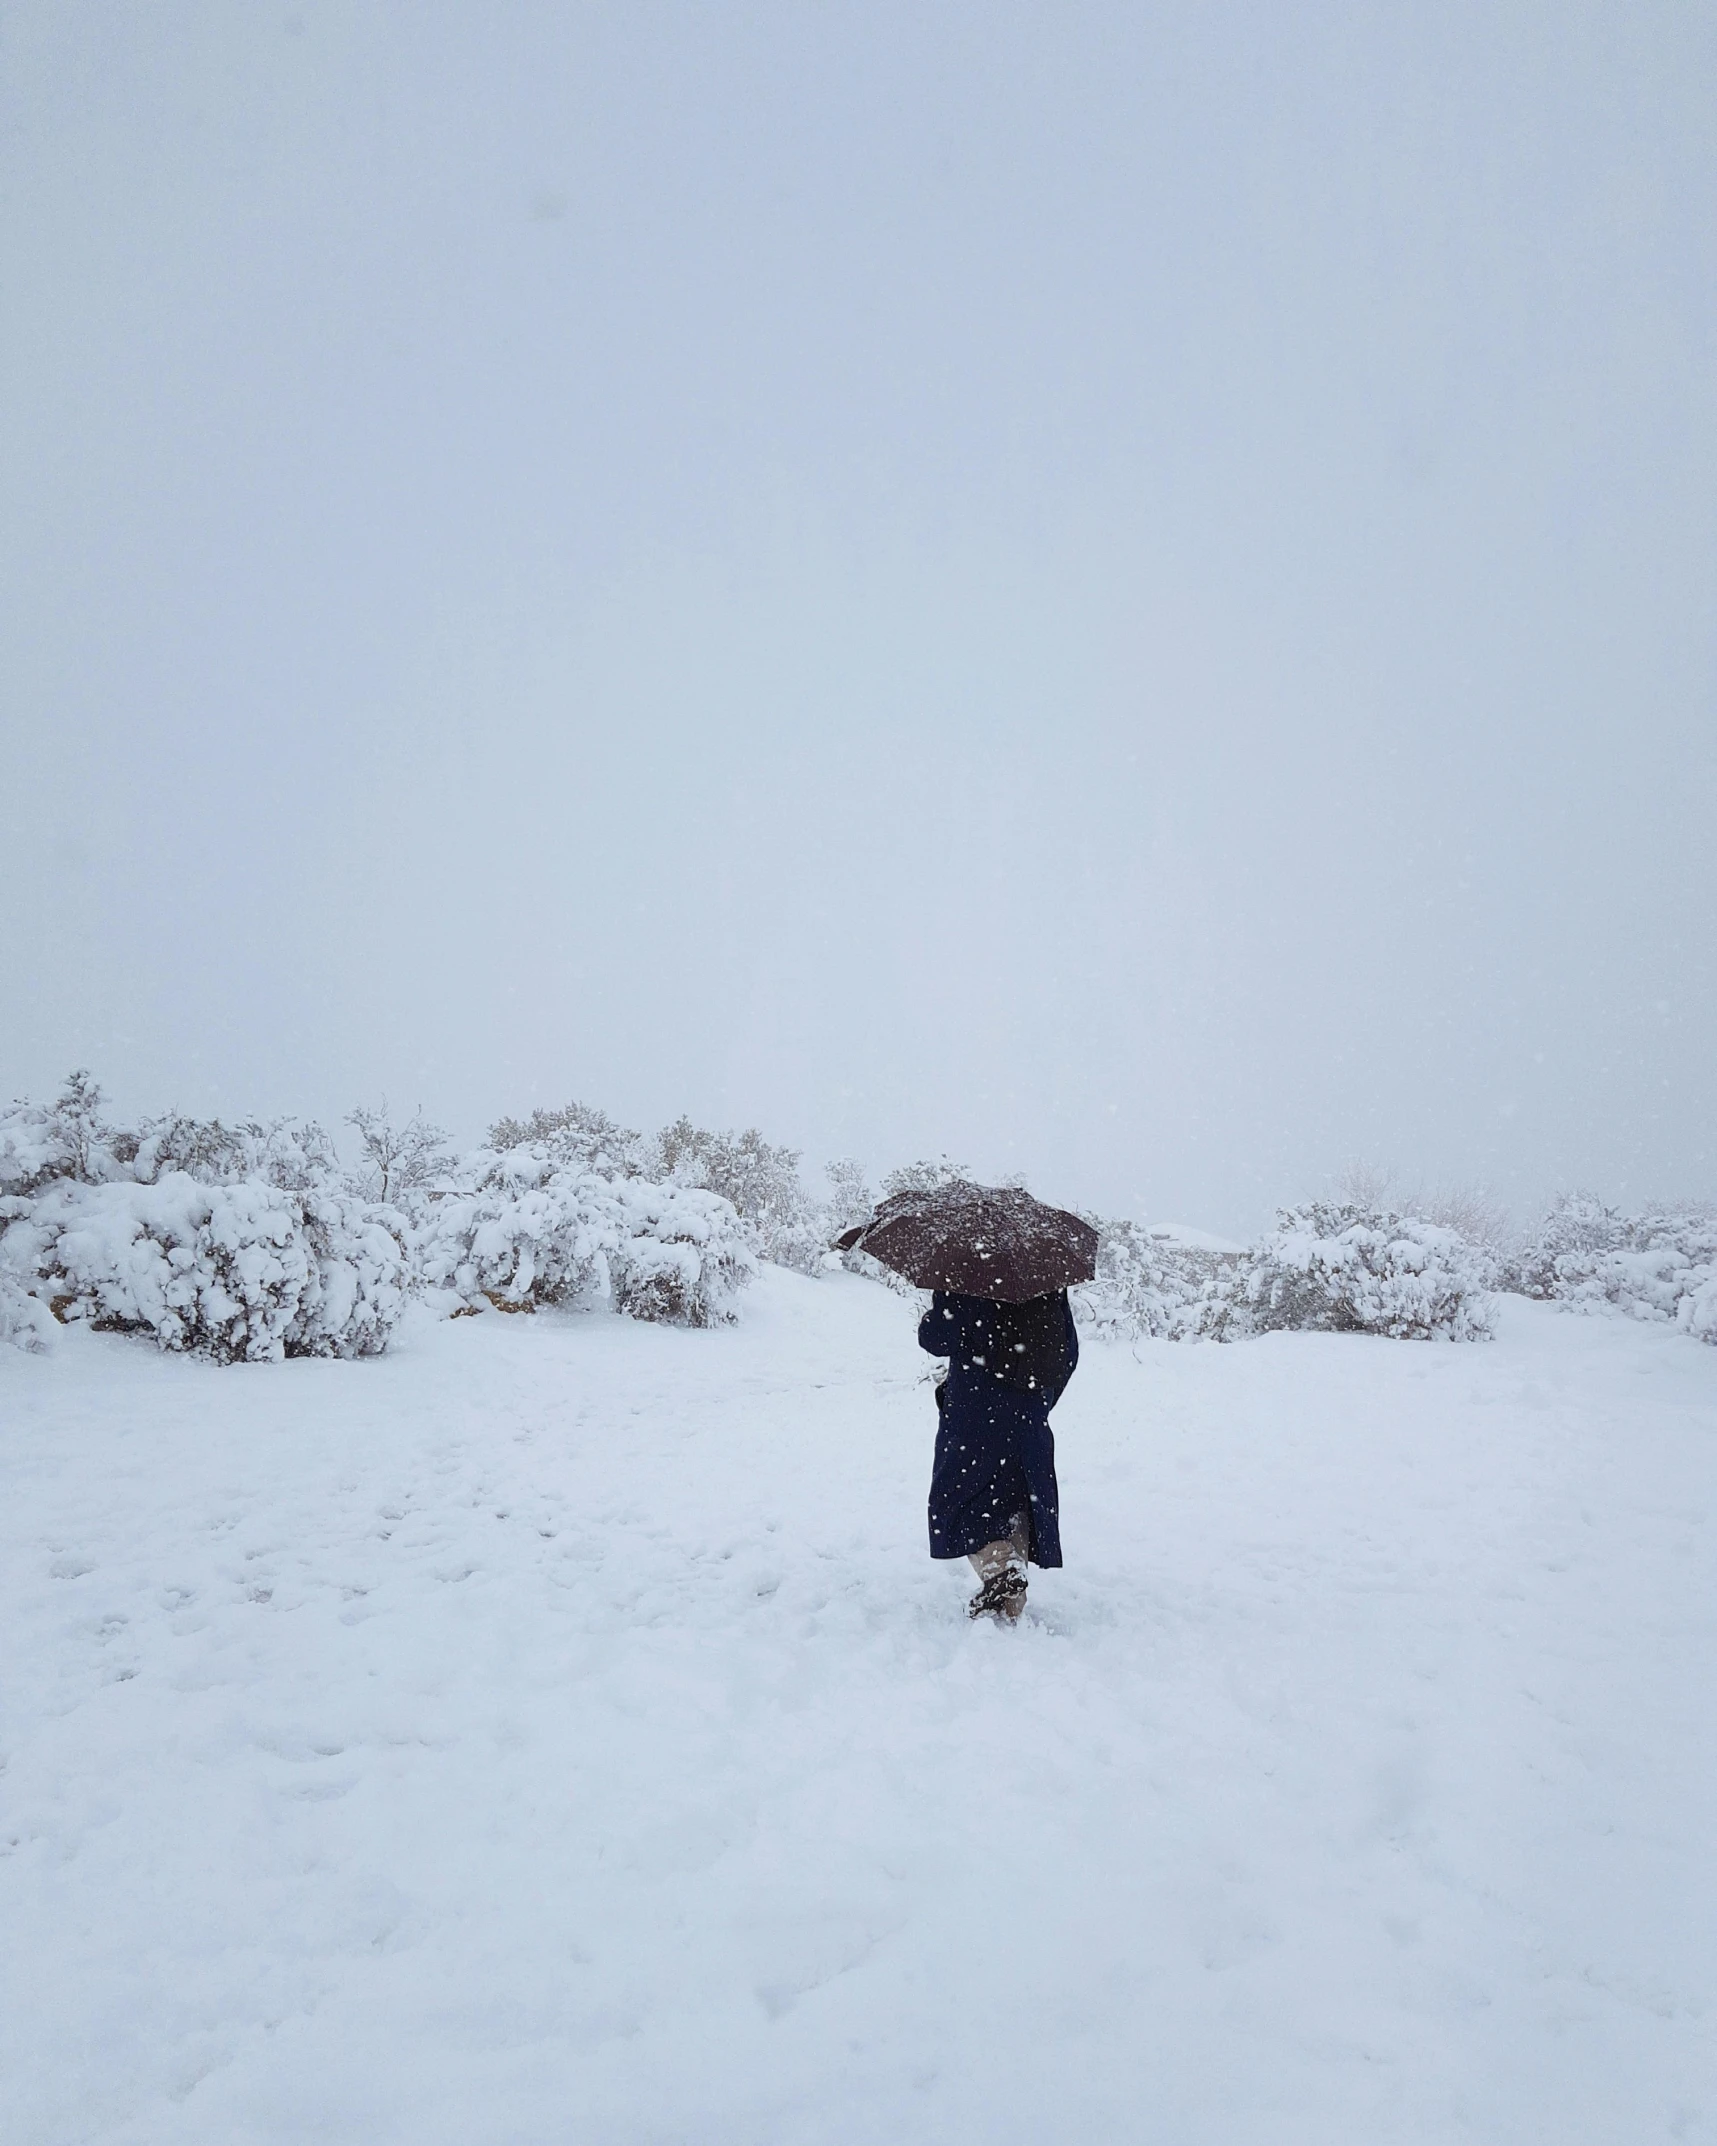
column 995, row 1452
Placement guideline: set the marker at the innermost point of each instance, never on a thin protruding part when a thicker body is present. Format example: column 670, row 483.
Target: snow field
column 555, row 1731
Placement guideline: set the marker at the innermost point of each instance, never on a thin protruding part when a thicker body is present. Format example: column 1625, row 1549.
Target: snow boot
column 1002, row 1596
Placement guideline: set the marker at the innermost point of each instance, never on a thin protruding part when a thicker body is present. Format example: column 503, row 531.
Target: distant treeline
column 256, row 1239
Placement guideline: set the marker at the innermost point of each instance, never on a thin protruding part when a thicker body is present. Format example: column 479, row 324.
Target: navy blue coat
column 995, row 1452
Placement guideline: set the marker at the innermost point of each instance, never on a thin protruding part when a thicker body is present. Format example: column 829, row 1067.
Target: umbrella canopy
column 979, row 1241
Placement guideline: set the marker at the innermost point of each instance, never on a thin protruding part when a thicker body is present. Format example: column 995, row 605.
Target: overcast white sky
column 1127, row 592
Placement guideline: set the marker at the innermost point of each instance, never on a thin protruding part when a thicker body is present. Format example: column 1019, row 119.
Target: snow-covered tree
column 65, row 1139
column 849, row 1200
column 396, row 1160
column 924, row 1176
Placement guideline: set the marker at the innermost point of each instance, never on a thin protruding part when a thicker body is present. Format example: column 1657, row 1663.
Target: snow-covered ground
column 555, row 1731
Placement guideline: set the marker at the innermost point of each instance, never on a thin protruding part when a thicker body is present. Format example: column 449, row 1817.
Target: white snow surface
column 555, row 1731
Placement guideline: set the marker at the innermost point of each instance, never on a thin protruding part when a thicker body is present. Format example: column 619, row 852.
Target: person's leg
column 994, row 1557
column 1013, row 1549
column 1001, row 1566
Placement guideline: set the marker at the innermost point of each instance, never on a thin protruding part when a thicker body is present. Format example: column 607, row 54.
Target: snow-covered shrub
column 1578, row 1228
column 25, row 1322
column 579, row 1134
column 397, row 1161
column 44, row 1143
column 290, row 1154
column 850, row 1205
column 1351, row 1270
column 761, row 1182
column 1648, row 1281
column 527, row 1230
column 360, row 1279
column 235, row 1272
column 1698, row 1312
column 924, row 1177
column 1163, row 1282
column 683, row 1255
column 849, row 1201
column 1655, row 1266
column 531, row 1230
column 231, row 1242
column 46, row 1149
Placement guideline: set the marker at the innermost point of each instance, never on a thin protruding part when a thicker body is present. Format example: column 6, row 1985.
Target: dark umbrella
column 979, row 1241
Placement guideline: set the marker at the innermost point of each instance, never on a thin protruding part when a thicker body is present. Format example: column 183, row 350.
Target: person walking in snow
column 998, row 1264
column 993, row 1494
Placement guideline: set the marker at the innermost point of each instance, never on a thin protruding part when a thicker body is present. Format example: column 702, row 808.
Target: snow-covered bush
column 924, row 1177
column 1657, row 1266
column 531, row 1230
column 1578, row 1228
column 527, row 1230
column 290, row 1154
column 25, row 1322
column 682, row 1258
column 235, row 1272
column 1162, row 1282
column 577, row 1134
column 65, row 1140
column 849, row 1206
column 360, row 1281
column 761, row 1182
column 231, row 1242
column 849, row 1201
column 396, row 1161
column 1351, row 1270
column 1698, row 1311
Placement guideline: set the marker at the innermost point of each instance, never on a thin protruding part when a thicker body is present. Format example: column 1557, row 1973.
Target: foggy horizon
column 1123, row 597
